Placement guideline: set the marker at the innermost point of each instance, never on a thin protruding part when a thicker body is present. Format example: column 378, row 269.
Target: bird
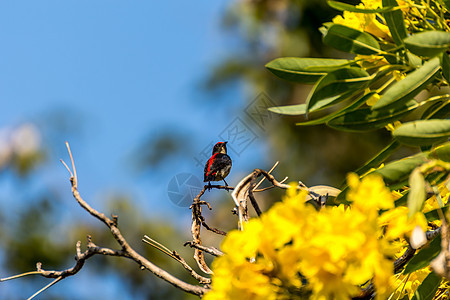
column 218, row 165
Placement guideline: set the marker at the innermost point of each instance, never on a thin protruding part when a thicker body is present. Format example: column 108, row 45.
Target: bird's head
column 220, row 147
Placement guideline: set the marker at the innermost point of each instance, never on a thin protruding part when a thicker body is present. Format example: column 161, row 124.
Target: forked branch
column 125, row 249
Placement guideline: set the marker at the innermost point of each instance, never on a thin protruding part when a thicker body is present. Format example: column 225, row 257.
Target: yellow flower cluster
column 295, row 251
column 365, row 22
column 407, row 284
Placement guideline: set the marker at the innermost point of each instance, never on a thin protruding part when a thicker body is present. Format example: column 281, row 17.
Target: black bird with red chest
column 219, row 165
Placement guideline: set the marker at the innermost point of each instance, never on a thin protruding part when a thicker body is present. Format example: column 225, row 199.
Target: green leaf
column 347, row 7
column 379, row 158
column 434, row 214
column 439, row 110
column 330, row 100
column 304, row 70
column 355, row 104
column 446, row 66
column 447, row 4
column 402, row 200
column 399, row 170
column 324, row 28
column 428, row 43
column 424, row 256
column 351, row 40
column 334, row 84
column 427, row 289
column 414, row 60
column 407, row 88
column 395, row 22
column 416, row 195
column 441, row 152
column 365, row 119
column 423, row 132
column 292, row 110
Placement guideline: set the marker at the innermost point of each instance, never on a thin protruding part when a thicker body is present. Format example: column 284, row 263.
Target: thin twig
column 46, row 287
column 210, row 250
column 253, row 202
column 148, row 240
column 253, row 188
column 270, row 171
column 73, row 163
column 212, row 229
column 201, row 279
column 20, row 275
column 67, row 167
column 270, row 187
column 173, row 254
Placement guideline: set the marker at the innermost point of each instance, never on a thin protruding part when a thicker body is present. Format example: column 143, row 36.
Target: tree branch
column 126, row 248
column 125, row 251
column 174, row 254
column 210, row 250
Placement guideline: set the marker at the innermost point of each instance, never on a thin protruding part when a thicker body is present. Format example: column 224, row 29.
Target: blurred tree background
column 41, row 223
column 272, row 29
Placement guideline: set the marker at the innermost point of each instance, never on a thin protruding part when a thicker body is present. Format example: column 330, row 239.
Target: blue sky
column 118, row 70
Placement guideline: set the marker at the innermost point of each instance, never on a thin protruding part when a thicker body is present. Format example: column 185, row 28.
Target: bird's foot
column 227, row 188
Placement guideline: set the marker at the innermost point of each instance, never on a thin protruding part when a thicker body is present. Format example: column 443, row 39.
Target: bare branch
column 173, row 254
column 253, row 188
column 240, row 194
column 194, row 274
column 92, row 249
column 46, row 287
column 148, row 240
column 270, row 187
column 20, row 275
column 245, row 188
column 254, row 203
column 73, row 164
column 197, row 221
column 67, row 167
column 126, row 249
column 270, row 171
column 210, row 250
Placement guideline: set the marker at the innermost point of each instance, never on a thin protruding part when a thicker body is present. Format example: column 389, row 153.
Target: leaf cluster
column 397, row 82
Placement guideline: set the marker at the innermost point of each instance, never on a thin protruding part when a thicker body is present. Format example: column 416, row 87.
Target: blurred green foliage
column 272, row 29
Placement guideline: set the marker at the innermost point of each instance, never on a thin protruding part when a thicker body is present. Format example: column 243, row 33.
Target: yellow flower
column 370, row 194
column 365, row 22
column 373, row 99
column 408, row 284
column 397, row 224
column 334, row 250
column 432, row 202
column 392, row 126
column 247, row 248
column 398, row 75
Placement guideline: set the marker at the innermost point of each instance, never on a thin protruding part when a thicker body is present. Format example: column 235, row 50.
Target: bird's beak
column 225, row 142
